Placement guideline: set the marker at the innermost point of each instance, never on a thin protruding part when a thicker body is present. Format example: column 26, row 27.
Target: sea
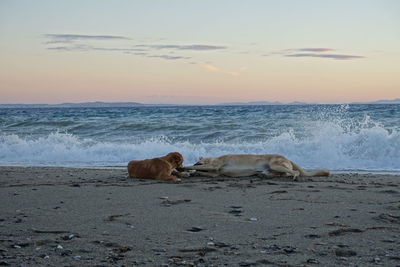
column 340, row 138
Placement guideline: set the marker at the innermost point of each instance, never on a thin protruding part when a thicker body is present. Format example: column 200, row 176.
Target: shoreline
column 333, row 172
column 89, row 216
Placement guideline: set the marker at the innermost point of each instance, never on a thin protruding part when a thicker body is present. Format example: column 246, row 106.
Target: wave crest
column 334, row 145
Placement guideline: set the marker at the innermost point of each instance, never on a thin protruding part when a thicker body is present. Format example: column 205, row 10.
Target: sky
column 199, row 52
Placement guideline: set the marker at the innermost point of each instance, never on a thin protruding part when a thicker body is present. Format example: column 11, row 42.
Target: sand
column 98, row 217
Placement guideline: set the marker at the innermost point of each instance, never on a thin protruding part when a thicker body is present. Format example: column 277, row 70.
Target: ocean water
column 334, row 137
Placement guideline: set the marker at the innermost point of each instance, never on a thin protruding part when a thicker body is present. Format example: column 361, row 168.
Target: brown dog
column 157, row 168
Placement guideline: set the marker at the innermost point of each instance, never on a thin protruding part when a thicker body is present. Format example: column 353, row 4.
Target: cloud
column 134, row 51
column 82, row 47
column 140, row 54
column 332, row 56
column 314, row 49
column 296, row 50
column 69, row 38
column 68, row 48
column 81, row 43
column 212, row 68
column 312, row 52
column 168, row 57
column 195, row 47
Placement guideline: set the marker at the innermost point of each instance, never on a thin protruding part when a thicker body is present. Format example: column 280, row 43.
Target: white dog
column 269, row 165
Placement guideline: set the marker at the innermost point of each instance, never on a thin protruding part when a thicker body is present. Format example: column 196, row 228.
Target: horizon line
column 259, row 102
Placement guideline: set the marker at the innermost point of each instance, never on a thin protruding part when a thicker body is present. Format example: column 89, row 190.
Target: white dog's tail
column 309, row 172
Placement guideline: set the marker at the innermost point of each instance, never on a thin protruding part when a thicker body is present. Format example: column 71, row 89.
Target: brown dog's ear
column 179, row 158
column 175, row 157
column 174, row 154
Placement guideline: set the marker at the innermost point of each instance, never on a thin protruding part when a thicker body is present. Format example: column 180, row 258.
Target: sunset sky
column 199, row 52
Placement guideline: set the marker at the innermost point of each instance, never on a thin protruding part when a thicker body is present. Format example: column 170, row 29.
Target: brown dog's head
column 176, row 159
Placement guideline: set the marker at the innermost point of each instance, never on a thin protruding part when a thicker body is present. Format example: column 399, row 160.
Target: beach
column 216, row 89
column 98, row 217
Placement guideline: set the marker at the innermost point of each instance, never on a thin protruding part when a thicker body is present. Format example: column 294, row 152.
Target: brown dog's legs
column 180, row 174
column 169, row 178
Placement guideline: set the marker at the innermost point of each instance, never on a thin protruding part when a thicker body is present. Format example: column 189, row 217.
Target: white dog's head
column 204, row 161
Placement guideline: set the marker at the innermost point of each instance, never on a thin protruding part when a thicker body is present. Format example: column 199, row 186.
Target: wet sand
column 98, row 217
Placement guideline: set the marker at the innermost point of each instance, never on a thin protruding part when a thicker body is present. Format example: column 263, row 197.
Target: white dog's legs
column 280, row 168
column 269, row 174
column 201, row 168
column 206, row 174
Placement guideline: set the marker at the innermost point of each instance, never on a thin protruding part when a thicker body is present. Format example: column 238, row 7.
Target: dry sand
column 98, row 217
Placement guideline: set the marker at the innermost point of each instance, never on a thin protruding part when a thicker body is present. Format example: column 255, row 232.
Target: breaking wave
column 334, row 145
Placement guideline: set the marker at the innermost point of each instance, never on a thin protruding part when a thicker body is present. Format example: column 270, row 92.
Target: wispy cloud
column 143, row 54
column 69, row 38
column 83, row 43
column 212, row 68
column 134, row 51
column 318, row 49
column 68, row 48
column 209, row 67
column 168, row 57
column 81, row 47
column 297, row 50
column 319, row 52
column 194, row 47
column 332, row 56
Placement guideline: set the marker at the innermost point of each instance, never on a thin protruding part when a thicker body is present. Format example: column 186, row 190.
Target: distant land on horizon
column 96, row 104
column 393, row 101
column 260, row 103
column 99, row 104
column 255, row 103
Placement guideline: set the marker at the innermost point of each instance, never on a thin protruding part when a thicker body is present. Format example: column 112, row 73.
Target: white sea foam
column 334, row 145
